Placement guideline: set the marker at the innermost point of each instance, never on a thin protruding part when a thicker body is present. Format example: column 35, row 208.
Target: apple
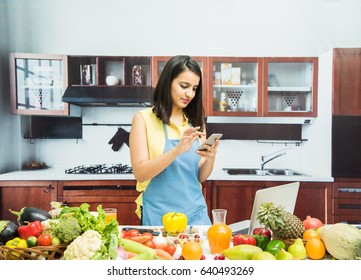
column 263, row 231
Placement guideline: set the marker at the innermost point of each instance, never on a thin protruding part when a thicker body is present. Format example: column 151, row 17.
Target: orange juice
column 219, row 234
column 109, row 214
column 219, row 237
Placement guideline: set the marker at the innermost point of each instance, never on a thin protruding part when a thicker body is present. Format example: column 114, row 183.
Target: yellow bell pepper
column 17, row 242
column 174, row 222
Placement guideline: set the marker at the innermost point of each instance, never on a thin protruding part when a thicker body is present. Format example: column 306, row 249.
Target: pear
column 282, row 254
column 298, row 249
column 263, row 256
column 241, row 252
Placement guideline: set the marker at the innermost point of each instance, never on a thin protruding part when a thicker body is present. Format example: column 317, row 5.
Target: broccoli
column 67, row 228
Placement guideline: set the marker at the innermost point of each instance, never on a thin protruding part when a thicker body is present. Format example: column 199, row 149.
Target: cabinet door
column 158, row 63
column 346, row 81
column 108, row 193
column 314, row 200
column 234, row 86
column 37, row 84
column 18, row 194
column 236, row 197
column 290, row 87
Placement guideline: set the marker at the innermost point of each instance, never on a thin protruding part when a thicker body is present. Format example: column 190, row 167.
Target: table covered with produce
column 76, row 233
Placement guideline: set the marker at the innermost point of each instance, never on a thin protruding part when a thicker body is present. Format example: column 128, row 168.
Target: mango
column 241, row 252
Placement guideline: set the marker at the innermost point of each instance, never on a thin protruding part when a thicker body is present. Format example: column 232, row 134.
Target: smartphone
column 210, row 141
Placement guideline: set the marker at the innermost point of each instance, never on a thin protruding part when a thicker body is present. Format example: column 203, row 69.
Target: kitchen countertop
column 58, row 174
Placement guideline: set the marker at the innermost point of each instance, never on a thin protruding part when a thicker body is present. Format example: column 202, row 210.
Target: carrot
column 130, row 254
column 163, row 254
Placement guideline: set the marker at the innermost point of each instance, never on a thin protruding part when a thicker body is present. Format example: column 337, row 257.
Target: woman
column 163, row 142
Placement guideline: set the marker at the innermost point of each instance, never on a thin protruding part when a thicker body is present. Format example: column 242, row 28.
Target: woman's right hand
column 189, row 136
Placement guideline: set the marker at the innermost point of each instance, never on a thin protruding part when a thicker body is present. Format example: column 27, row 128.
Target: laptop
column 285, row 195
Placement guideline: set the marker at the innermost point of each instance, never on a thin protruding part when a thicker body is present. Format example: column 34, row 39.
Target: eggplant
column 31, row 214
column 8, row 231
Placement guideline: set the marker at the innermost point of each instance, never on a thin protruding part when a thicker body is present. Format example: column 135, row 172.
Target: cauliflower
column 67, row 228
column 88, row 246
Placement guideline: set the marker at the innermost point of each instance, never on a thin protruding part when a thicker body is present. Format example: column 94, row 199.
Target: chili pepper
column 32, row 229
column 274, row 245
column 261, row 241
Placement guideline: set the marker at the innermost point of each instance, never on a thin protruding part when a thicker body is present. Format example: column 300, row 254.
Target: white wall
column 162, row 27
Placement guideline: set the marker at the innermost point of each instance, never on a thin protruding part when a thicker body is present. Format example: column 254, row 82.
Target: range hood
column 87, row 96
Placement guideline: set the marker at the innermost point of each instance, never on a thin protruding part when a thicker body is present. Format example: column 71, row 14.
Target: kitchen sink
column 266, row 172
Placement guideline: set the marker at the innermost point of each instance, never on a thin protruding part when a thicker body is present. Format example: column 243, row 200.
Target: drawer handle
column 48, row 189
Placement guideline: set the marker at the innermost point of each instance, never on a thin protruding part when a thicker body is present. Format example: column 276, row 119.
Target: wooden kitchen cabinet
column 346, row 201
column 346, row 86
column 290, row 86
column 37, row 84
column 238, row 197
column 263, row 87
column 119, row 194
column 18, row 194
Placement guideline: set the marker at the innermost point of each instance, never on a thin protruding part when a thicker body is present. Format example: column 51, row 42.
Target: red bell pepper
column 244, row 239
column 32, row 229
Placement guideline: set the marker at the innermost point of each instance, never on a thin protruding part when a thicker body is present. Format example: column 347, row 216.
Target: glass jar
column 219, row 234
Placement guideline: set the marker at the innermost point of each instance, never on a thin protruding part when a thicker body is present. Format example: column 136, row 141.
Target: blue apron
column 176, row 189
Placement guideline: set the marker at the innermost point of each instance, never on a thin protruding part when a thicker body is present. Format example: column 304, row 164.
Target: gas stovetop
column 101, row 169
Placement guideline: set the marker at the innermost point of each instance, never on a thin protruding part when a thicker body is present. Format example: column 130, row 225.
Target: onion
column 159, row 241
column 312, row 223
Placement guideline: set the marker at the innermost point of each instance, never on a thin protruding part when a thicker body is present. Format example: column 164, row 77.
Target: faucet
column 267, row 158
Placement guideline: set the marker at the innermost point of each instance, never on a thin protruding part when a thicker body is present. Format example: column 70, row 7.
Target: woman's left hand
column 210, row 151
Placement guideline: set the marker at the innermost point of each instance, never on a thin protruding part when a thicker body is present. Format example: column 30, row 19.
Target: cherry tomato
column 149, row 243
column 147, row 233
column 44, row 240
column 133, row 232
column 170, row 248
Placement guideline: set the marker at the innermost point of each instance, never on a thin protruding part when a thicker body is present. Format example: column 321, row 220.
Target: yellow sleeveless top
column 156, row 141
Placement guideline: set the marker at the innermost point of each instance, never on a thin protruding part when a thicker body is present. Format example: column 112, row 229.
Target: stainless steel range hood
column 128, row 96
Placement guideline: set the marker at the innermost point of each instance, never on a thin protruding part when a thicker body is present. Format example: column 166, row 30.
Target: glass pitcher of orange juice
column 219, row 234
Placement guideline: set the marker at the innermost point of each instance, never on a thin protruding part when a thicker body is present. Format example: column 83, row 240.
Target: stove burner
column 100, row 169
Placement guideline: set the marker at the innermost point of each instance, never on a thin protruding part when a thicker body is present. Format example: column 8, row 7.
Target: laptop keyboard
column 240, row 231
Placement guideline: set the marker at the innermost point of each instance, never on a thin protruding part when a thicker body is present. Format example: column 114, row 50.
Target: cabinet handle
column 48, row 189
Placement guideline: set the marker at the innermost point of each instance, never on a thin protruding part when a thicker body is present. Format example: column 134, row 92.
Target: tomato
column 244, row 239
column 133, row 232
column 149, row 243
column 174, row 222
column 44, row 240
column 147, row 233
column 31, row 241
column 170, row 248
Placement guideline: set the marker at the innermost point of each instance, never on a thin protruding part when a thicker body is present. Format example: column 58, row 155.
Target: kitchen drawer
column 346, row 206
column 347, row 190
column 346, row 219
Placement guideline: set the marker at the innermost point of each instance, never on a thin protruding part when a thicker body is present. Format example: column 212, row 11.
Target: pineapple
column 283, row 224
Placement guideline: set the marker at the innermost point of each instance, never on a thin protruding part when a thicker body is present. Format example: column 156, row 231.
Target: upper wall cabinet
column 263, row 87
column 347, row 81
column 37, row 84
column 235, row 86
column 290, row 87
column 109, row 81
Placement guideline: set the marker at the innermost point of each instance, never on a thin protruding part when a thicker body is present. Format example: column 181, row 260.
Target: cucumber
column 136, row 247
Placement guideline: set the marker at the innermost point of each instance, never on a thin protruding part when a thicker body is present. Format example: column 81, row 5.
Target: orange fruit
column 310, row 233
column 315, row 248
column 192, row 251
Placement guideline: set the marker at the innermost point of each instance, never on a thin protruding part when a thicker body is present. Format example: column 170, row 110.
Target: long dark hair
column 162, row 99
